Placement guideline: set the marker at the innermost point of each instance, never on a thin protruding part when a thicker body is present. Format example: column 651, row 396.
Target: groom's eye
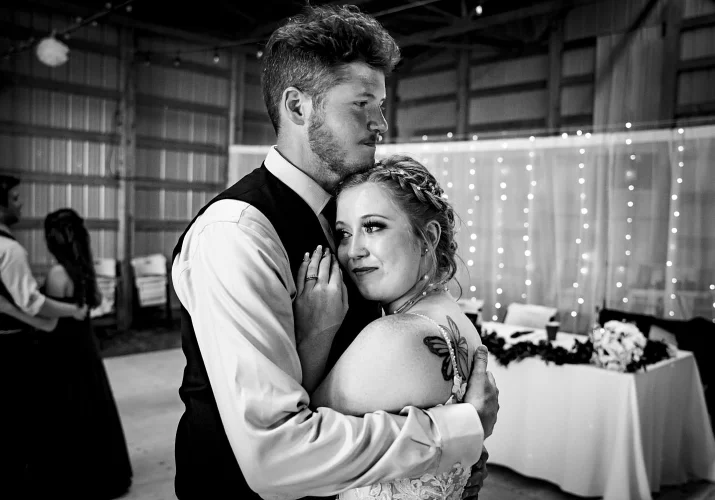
column 361, row 104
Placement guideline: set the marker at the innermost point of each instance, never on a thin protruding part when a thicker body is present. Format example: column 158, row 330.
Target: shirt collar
column 4, row 228
column 305, row 187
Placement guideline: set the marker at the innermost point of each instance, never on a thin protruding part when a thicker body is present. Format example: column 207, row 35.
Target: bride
column 395, row 240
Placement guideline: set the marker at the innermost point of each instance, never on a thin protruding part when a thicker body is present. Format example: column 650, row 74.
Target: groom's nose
column 378, row 123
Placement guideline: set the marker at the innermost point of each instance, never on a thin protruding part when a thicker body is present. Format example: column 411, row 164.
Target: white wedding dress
column 446, row 486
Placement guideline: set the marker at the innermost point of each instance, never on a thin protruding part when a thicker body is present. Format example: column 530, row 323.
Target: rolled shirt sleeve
column 234, row 278
column 17, row 277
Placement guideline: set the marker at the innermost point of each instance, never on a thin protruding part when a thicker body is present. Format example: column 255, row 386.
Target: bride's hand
column 322, row 299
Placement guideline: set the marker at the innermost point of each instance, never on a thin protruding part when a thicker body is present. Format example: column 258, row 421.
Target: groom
column 247, row 429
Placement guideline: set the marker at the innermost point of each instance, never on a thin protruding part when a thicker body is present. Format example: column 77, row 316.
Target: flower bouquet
column 618, row 346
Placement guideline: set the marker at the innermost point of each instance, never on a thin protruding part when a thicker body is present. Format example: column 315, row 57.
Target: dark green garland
column 580, row 353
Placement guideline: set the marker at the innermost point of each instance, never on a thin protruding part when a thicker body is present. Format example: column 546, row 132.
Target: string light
column 676, row 179
column 528, row 233
column 582, row 227
column 629, row 176
column 499, row 239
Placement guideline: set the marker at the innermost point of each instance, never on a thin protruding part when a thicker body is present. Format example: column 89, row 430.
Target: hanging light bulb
column 216, row 56
column 52, row 52
column 177, row 61
column 479, row 9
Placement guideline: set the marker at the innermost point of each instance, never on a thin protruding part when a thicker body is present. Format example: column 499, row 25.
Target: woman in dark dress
column 81, row 451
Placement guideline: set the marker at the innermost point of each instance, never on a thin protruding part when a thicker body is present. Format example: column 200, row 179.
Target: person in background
column 23, row 307
column 248, row 430
column 82, row 452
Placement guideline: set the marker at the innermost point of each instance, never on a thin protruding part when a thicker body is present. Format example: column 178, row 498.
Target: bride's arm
column 41, row 323
column 387, row 367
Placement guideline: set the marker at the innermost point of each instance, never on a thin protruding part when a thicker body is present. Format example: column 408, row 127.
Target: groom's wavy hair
column 417, row 193
column 310, row 51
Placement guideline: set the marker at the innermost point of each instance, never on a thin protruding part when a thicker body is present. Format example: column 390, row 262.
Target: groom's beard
column 326, row 146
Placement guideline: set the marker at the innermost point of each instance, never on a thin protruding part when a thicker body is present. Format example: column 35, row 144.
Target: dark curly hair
column 7, row 182
column 415, row 190
column 68, row 240
column 309, row 51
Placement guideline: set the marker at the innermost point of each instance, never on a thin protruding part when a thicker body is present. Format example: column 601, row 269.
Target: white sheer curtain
column 622, row 219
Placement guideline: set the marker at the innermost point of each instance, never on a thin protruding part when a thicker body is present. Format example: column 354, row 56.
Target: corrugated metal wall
column 510, row 93
column 60, row 132
column 182, row 138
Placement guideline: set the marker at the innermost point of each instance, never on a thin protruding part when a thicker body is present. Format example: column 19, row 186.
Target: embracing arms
column 33, row 308
column 234, row 279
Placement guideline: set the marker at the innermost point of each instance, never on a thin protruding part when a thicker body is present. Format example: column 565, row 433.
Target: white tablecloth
column 595, row 432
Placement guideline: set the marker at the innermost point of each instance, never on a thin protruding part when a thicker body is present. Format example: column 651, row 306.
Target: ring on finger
column 312, row 277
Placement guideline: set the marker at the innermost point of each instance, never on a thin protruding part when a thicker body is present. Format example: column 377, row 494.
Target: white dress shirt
column 234, row 278
column 17, row 277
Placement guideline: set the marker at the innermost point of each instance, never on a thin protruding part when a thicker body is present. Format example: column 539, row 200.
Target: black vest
column 206, row 467
column 8, row 322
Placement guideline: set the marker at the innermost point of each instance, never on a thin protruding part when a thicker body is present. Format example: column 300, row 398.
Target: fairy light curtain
column 574, row 222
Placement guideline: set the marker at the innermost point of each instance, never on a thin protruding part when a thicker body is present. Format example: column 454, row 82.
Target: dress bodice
column 445, row 486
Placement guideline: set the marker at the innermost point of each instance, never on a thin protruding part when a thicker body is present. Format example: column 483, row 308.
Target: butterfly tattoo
column 438, row 345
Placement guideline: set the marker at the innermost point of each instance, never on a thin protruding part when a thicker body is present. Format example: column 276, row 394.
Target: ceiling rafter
column 468, row 25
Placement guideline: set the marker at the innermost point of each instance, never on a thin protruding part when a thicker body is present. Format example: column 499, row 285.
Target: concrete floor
column 146, row 390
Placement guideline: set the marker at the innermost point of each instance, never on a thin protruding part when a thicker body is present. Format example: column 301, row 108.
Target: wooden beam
column 14, row 128
column 463, row 26
column 696, row 64
column 91, row 224
column 239, row 87
column 155, row 225
column 128, row 22
column 126, row 168
column 47, row 177
column 463, row 82
column 694, row 23
column 556, row 51
column 153, row 101
column 576, row 80
column 168, row 60
column 672, row 21
column 392, row 102
column 706, row 108
column 150, row 142
column 155, row 184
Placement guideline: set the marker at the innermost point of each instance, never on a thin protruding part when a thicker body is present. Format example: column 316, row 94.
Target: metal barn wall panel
column 606, row 17
column 56, row 134
column 520, row 106
column 443, row 82
column 697, row 43
column 414, row 120
column 512, row 71
column 577, row 100
column 182, row 137
column 578, row 62
column 696, row 87
column 695, row 8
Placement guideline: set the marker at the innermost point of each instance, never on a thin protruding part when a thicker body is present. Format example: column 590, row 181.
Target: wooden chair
column 530, row 315
column 107, row 281
column 151, row 279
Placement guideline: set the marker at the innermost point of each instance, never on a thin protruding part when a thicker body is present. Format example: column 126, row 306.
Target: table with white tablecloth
column 595, row 432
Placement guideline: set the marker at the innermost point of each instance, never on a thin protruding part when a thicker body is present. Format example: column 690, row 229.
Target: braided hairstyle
column 68, row 240
column 415, row 191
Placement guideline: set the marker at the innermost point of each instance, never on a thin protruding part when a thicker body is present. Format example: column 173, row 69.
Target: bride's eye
column 372, row 226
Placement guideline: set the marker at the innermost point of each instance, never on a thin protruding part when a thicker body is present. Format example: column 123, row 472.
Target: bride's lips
column 362, row 271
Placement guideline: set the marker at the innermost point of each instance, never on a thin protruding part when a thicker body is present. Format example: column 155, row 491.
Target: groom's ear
column 296, row 106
